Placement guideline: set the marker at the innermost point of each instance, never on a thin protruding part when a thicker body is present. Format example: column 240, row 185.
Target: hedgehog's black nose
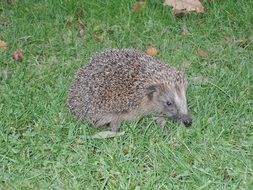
column 187, row 120
column 188, row 123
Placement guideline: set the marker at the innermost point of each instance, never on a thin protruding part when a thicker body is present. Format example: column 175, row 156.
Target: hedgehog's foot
column 162, row 122
column 97, row 126
column 115, row 125
column 101, row 122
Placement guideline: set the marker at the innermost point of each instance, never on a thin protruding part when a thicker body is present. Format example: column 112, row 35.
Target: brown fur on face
column 122, row 85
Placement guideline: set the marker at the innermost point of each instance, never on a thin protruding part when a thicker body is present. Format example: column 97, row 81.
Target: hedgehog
column 125, row 84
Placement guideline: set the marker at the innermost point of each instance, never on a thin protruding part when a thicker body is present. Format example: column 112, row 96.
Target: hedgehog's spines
column 114, row 83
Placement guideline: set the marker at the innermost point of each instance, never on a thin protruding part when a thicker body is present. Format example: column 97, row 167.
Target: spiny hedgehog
column 122, row 85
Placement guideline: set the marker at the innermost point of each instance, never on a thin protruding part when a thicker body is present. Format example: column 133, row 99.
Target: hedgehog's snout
column 187, row 120
column 184, row 118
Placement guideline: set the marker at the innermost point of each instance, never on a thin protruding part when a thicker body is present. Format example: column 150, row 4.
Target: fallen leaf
column 185, row 32
column 138, row 6
column 3, row 45
column 18, row 56
column 228, row 39
column 82, row 26
column 152, row 51
column 203, row 54
column 98, row 38
column 180, row 7
column 242, row 42
column 106, row 134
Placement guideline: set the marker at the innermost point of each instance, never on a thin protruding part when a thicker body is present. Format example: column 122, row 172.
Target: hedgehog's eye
column 168, row 103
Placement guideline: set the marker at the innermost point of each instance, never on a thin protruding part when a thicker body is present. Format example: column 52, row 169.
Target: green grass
column 43, row 147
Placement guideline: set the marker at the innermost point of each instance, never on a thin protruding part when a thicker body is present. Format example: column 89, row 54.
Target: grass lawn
column 42, row 146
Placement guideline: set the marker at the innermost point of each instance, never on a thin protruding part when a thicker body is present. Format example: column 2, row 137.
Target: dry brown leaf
column 18, row 56
column 185, row 32
column 203, row 54
column 3, row 45
column 151, row 51
column 138, row 6
column 242, row 42
column 82, row 26
column 98, row 38
column 228, row 39
column 180, row 7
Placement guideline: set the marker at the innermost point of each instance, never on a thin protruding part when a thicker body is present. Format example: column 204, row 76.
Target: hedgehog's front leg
column 101, row 122
column 162, row 122
column 115, row 125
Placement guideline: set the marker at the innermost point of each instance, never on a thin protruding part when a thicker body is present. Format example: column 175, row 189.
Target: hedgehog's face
column 171, row 100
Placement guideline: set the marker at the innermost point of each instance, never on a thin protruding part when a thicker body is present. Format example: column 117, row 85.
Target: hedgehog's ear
column 151, row 90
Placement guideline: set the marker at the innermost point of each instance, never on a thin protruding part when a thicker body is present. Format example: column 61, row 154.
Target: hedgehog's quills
column 123, row 85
